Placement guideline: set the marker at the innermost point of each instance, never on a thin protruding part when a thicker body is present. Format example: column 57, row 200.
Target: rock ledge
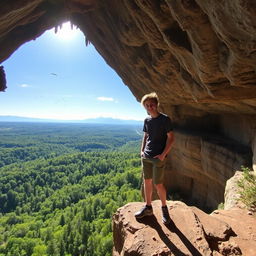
column 192, row 232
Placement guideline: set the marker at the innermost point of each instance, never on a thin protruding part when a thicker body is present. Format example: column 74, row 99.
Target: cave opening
column 57, row 76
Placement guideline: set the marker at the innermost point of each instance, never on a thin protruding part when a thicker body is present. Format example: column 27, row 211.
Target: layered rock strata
column 199, row 56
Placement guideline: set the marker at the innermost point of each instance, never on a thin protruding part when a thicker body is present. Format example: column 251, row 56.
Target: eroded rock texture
column 199, row 56
column 191, row 232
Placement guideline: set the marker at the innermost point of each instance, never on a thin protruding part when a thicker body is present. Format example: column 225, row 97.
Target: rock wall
column 199, row 56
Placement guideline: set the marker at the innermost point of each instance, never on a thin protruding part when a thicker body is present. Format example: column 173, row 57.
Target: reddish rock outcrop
column 199, row 56
column 191, row 232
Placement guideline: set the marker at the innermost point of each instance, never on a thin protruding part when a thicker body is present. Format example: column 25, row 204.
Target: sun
column 67, row 32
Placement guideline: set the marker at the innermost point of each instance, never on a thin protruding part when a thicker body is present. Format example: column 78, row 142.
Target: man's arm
column 168, row 145
column 143, row 143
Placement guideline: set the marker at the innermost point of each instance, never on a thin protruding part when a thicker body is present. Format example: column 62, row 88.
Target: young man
column 156, row 144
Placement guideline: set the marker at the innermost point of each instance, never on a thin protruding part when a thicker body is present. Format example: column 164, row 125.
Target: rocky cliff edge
column 191, row 232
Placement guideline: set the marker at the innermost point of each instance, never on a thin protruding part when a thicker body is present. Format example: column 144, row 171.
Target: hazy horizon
column 98, row 120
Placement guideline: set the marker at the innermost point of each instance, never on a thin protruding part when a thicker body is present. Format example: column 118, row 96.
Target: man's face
column 151, row 106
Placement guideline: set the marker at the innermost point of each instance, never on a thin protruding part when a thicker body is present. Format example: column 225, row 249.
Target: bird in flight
column 54, row 74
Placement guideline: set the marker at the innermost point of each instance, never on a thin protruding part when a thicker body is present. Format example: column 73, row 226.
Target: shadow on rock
column 193, row 250
column 153, row 223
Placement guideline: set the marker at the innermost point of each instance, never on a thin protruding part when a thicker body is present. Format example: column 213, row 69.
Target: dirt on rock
column 191, row 232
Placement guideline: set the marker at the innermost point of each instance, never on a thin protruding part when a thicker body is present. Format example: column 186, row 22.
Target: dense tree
column 60, row 201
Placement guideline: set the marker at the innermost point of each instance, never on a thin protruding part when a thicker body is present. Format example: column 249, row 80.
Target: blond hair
column 150, row 96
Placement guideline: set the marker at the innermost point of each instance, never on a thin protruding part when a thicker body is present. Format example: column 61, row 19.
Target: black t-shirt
column 157, row 129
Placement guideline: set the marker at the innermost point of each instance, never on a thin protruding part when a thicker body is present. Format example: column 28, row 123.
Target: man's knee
column 159, row 186
column 148, row 181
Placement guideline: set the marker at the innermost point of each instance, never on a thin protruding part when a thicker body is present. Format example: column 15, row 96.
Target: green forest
column 61, row 183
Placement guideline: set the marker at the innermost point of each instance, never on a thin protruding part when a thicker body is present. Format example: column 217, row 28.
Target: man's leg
column 162, row 195
column 158, row 178
column 161, row 191
column 147, row 209
column 148, row 188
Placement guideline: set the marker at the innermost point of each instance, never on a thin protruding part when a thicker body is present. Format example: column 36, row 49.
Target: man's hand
column 161, row 157
column 169, row 142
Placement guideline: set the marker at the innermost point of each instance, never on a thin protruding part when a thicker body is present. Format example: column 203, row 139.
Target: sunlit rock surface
column 191, row 232
column 199, row 56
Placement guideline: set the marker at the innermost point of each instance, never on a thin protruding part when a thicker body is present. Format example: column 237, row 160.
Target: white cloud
column 105, row 99
column 24, row 85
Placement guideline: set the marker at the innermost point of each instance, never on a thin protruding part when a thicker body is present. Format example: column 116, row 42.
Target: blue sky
column 56, row 76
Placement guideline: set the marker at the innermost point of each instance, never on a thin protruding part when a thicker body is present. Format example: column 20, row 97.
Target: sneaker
column 165, row 215
column 145, row 211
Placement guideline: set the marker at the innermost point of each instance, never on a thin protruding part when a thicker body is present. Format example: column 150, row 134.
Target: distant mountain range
column 99, row 120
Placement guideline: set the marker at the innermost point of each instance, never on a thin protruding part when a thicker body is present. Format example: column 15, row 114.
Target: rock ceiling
column 198, row 55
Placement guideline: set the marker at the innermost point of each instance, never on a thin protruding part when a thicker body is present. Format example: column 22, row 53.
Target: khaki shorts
column 153, row 168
